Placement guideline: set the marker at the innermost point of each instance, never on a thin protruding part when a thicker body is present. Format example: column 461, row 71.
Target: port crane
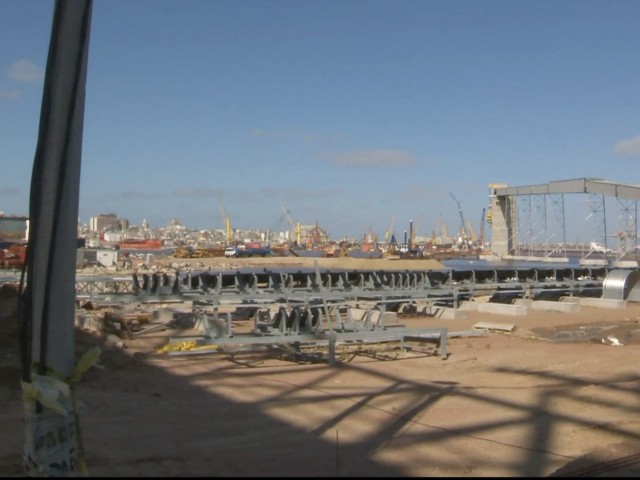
column 463, row 228
column 389, row 233
column 226, row 221
column 440, row 233
column 414, row 231
column 295, row 228
column 481, row 234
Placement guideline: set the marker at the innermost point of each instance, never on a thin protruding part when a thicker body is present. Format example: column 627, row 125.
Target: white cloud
column 629, row 147
column 367, row 158
column 26, row 71
column 195, row 192
column 295, row 193
column 139, row 195
column 8, row 94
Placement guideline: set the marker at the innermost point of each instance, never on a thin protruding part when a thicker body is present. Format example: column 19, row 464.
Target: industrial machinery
column 464, row 235
column 294, row 228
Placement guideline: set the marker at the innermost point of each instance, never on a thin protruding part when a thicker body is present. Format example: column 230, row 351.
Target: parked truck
column 240, row 251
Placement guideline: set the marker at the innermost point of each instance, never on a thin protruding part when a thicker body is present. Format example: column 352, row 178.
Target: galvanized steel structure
column 315, row 306
column 308, row 286
column 544, row 204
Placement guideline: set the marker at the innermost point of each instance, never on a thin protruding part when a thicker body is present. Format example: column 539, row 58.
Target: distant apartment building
column 103, row 223
column 13, row 229
column 124, row 223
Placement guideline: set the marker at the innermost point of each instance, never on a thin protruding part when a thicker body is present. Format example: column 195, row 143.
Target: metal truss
column 296, row 309
column 390, row 288
column 308, row 287
column 597, row 219
column 541, row 225
column 294, row 330
column 627, row 234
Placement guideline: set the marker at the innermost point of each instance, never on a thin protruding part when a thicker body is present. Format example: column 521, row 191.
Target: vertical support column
column 442, row 348
column 503, row 218
column 627, row 227
column 559, row 228
column 229, row 325
column 596, row 218
column 332, row 348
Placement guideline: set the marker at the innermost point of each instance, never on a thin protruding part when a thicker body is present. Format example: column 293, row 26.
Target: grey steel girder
column 578, row 185
column 309, row 286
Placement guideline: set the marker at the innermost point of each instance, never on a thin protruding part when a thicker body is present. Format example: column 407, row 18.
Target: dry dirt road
column 507, row 404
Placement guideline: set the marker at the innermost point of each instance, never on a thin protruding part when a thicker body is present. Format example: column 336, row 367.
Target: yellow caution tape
column 177, row 347
column 57, row 393
column 89, row 359
column 50, row 389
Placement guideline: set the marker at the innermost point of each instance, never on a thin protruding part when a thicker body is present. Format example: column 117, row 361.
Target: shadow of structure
column 409, row 415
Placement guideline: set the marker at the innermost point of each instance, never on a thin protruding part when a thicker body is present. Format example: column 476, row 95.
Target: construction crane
column 226, row 221
column 437, row 233
column 463, row 228
column 295, row 228
column 416, row 229
column 481, row 234
column 472, row 234
column 389, row 233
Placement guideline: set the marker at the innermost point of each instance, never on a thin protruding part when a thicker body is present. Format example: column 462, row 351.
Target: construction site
column 298, row 377
column 347, row 366
column 158, row 356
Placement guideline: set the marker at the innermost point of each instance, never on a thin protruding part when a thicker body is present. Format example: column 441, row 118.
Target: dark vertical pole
column 410, row 245
column 47, row 317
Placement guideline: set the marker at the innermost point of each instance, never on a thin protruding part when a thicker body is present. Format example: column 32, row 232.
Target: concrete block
column 454, row 314
column 626, row 264
column 390, row 318
column 602, row 262
column 603, row 302
column 567, row 307
column 503, row 309
column 364, row 304
column 375, row 316
column 356, row 314
column 550, row 306
column 469, row 306
column 445, row 312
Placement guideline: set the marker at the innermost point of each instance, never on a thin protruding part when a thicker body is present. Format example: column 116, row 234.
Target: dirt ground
column 553, row 397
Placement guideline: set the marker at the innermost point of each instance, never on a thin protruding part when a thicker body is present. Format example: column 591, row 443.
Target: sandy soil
column 524, row 403
column 393, row 263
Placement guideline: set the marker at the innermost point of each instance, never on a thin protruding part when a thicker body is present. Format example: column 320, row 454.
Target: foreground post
column 47, row 314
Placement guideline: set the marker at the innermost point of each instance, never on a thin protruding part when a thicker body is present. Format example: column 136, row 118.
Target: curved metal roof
column 622, row 285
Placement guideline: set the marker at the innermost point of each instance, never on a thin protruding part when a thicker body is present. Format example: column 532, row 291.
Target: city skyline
column 349, row 113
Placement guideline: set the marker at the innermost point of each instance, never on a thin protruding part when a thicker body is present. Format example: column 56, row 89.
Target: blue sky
column 348, row 112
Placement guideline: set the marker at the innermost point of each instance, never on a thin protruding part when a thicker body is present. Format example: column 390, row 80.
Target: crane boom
column 416, row 229
column 226, row 221
column 481, row 235
column 390, row 231
column 462, row 222
column 295, row 230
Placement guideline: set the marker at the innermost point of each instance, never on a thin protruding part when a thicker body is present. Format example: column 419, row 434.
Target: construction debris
column 503, row 327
